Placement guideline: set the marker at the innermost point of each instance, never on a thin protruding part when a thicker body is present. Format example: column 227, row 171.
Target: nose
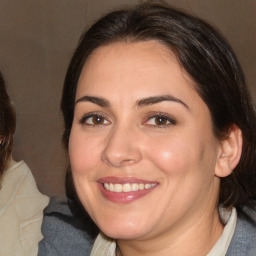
column 121, row 147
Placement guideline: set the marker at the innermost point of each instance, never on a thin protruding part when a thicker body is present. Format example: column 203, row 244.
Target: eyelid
column 170, row 119
column 93, row 114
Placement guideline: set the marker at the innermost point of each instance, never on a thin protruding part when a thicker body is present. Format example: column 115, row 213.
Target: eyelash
column 168, row 119
column 86, row 117
column 165, row 118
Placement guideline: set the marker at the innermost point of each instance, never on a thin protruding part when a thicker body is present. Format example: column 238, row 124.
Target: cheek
column 183, row 158
column 83, row 152
column 171, row 155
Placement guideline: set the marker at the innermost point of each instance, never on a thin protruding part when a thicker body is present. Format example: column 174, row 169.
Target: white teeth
column 147, row 186
column 141, row 186
column 111, row 187
column 135, row 186
column 118, row 187
column 127, row 187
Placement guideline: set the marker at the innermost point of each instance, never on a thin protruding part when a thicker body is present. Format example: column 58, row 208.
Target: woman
column 160, row 131
column 21, row 204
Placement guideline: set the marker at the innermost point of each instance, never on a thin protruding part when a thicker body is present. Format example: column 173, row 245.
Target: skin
column 179, row 216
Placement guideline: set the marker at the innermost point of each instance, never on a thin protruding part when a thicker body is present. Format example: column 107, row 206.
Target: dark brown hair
column 206, row 57
column 7, row 126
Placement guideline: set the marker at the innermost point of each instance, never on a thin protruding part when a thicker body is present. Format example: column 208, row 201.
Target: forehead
column 147, row 50
column 146, row 64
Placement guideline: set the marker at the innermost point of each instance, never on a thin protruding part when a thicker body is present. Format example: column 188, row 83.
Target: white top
column 21, row 212
column 104, row 246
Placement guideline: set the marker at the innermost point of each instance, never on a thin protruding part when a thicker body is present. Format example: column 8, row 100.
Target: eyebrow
column 140, row 103
column 158, row 99
column 96, row 100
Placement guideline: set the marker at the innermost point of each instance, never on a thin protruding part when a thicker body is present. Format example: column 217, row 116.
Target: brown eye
column 97, row 120
column 160, row 120
column 94, row 119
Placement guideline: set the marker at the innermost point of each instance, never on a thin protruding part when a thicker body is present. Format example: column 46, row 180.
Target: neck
column 196, row 239
column 11, row 162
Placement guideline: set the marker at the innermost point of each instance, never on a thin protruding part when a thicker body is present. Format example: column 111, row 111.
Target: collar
column 229, row 218
column 105, row 246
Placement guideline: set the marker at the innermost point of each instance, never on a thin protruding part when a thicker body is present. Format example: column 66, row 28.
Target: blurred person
column 21, row 204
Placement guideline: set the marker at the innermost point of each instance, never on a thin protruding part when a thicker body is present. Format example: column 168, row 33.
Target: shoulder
column 244, row 238
column 61, row 237
column 21, row 207
column 19, row 180
column 21, row 193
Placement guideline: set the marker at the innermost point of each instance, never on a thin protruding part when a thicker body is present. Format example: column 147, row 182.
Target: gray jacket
column 62, row 238
column 243, row 242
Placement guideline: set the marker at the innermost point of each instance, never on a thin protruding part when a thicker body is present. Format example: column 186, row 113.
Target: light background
column 37, row 39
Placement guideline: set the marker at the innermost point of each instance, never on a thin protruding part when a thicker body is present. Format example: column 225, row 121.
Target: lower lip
column 124, row 197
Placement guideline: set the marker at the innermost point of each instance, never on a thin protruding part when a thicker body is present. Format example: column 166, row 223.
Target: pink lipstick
column 125, row 190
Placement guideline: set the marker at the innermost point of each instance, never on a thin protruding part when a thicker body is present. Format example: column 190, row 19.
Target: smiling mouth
column 127, row 187
column 125, row 190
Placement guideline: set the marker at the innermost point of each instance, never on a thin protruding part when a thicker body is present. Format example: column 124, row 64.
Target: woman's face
column 142, row 151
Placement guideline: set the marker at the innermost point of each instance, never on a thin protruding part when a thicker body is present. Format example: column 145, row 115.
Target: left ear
column 230, row 152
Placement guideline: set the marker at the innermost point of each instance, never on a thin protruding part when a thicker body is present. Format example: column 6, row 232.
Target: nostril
column 128, row 161
column 120, row 149
column 118, row 160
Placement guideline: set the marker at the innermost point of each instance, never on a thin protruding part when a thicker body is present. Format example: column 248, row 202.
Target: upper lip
column 124, row 180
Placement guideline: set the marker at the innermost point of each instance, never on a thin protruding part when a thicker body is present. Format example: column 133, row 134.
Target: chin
column 123, row 230
column 122, row 234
